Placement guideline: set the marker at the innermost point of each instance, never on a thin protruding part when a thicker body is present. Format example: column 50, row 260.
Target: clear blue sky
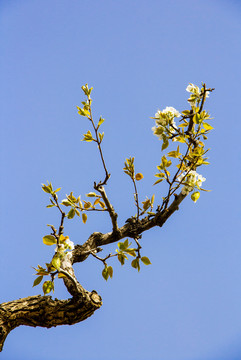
column 139, row 56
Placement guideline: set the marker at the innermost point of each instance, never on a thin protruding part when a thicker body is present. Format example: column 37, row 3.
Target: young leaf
column 158, row 181
column 126, row 244
column 61, row 275
column 195, row 196
column 92, row 194
column 71, row 213
column 88, row 136
column 102, row 204
column 48, row 286
column 145, row 260
column 136, row 264
column 65, row 202
column 207, row 126
column 110, row 271
column 105, row 273
column 165, row 144
column 139, row 176
column 46, row 189
column 84, row 217
column 87, row 204
column 121, row 257
column 100, row 121
column 56, row 262
column 38, row 280
column 131, row 252
column 49, row 240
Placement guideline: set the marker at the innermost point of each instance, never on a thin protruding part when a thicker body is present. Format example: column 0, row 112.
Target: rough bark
column 44, row 311
column 131, row 229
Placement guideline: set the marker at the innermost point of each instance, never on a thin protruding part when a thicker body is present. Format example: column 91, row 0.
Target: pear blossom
column 191, row 179
column 59, row 248
column 165, row 121
column 69, row 244
column 194, row 89
column 200, row 180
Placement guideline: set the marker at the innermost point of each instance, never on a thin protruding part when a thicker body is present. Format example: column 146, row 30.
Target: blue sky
column 139, row 56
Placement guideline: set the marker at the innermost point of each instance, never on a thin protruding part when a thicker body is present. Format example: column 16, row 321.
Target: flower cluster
column 65, row 245
column 196, row 94
column 190, row 180
column 165, row 123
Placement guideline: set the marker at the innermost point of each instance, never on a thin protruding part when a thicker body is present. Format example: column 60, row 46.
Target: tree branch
column 132, row 230
column 43, row 311
column 113, row 214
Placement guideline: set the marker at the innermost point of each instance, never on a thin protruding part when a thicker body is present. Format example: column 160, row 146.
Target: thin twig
column 107, row 175
column 110, row 209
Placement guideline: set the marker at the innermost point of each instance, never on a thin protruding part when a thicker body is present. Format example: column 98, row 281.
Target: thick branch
column 131, row 229
column 45, row 312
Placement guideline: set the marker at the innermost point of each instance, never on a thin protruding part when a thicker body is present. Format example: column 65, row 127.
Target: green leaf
column 46, row 188
column 83, row 112
column 181, row 139
column 38, row 280
column 139, row 176
column 101, row 136
column 71, row 213
column 195, row 196
column 105, row 273
column 92, row 194
column 174, row 154
column 158, row 181
column 165, row 144
column 110, row 271
column 88, row 136
column 56, row 262
column 48, row 286
column 126, row 243
column 49, row 240
column 136, row 264
column 160, row 175
column 100, row 121
column 196, row 118
column 121, row 257
column 145, row 260
column 186, row 112
column 131, row 252
column 61, row 275
column 121, row 246
column 207, row 126
column 84, row 217
column 65, row 202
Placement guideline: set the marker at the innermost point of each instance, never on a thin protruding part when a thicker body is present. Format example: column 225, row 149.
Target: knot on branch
column 81, row 252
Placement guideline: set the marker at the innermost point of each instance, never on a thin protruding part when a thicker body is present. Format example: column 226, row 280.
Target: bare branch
column 110, row 208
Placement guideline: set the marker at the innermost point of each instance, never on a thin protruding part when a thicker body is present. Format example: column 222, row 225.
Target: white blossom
column 191, row 179
column 194, row 89
column 200, row 180
column 166, row 115
column 158, row 131
column 69, row 244
column 59, row 248
column 171, row 111
column 186, row 190
column 173, row 126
